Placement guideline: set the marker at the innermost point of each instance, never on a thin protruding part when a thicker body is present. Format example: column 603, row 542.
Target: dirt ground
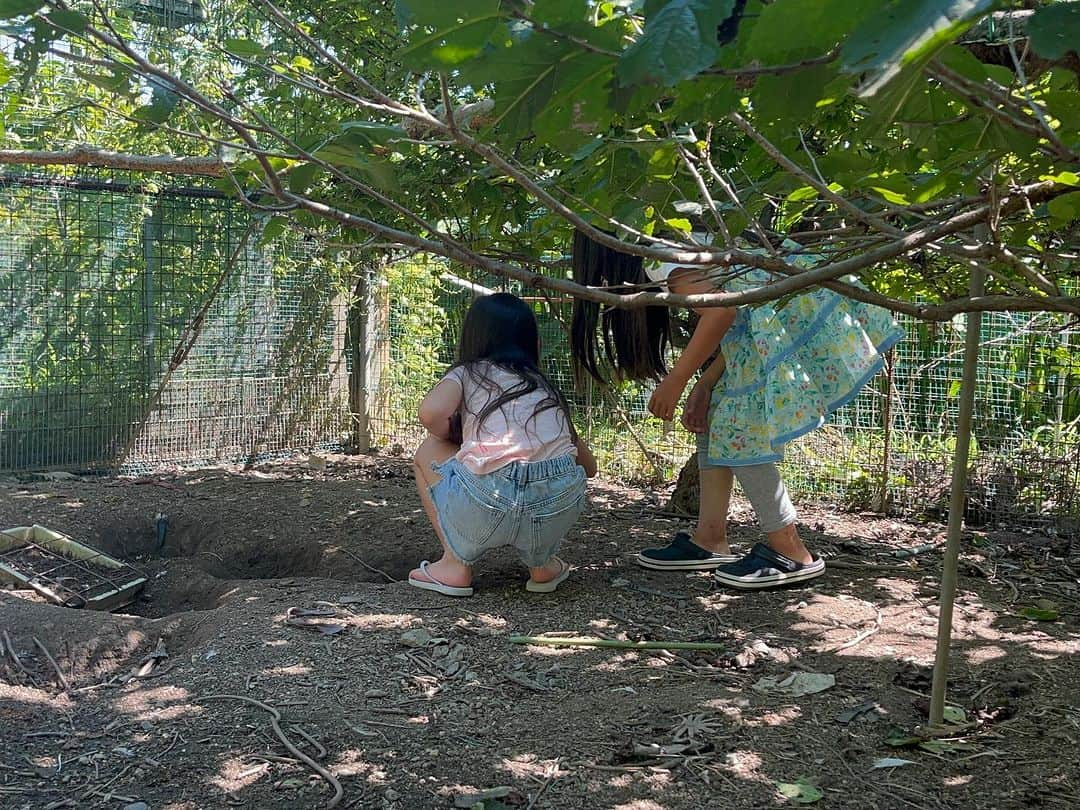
column 282, row 587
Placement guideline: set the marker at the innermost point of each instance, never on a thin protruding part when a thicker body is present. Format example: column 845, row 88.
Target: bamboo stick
column 956, row 504
column 616, row 643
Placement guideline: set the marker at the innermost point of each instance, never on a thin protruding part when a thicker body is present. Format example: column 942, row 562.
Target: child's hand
column 665, row 398
column 695, row 415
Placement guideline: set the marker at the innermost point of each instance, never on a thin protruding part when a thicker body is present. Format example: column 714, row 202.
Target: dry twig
column 56, row 667
column 275, row 724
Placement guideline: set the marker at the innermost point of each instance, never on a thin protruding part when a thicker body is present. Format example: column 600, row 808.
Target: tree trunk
column 687, row 494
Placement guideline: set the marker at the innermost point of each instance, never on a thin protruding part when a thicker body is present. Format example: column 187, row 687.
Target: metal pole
column 956, row 504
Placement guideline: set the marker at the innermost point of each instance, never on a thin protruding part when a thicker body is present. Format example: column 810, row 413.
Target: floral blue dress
column 790, row 366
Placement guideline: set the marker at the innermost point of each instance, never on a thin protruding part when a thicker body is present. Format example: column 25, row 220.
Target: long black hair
column 501, row 330
column 629, row 344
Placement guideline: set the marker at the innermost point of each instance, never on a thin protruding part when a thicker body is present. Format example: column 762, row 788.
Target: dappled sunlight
column 378, row 621
column 237, row 773
column 483, row 623
column 985, row 654
column 658, row 779
column 34, row 696
column 287, row 671
column 555, row 652
column 158, row 704
column 639, row 804
column 779, row 717
column 716, row 602
column 352, row 762
column 744, row 764
column 525, row 766
column 958, row 780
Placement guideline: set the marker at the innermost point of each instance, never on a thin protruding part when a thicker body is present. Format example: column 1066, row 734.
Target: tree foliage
column 904, row 142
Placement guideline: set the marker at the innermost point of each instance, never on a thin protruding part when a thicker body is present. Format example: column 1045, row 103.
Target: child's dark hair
column 501, row 329
column 634, row 340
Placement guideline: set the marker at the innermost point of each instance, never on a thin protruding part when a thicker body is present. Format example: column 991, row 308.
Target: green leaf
column 789, row 30
column 1066, row 207
column 1041, row 613
column 161, row 106
column 679, row 42
column 954, row 714
column 18, row 8
column 302, row 177
column 274, row 228
column 68, row 22
column 802, row 791
column 118, row 82
column 547, row 86
column 906, row 32
column 246, row 48
column 1054, row 30
column 372, row 132
column 446, row 34
column 1065, row 178
column 791, row 97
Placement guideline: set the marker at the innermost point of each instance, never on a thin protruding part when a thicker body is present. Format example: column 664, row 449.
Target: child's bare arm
column 712, row 326
column 439, row 406
column 710, row 330
column 585, row 458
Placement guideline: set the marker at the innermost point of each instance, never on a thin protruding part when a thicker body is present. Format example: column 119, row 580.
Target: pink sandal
column 435, row 585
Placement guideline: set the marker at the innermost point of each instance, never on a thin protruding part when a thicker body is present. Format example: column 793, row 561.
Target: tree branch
column 91, row 156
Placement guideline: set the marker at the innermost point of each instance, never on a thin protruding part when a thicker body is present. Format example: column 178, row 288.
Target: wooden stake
column 956, row 504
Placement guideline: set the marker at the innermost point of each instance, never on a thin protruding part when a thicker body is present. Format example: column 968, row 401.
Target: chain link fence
column 144, row 326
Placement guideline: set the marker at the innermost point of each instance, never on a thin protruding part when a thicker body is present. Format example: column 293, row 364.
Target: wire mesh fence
column 106, row 287
column 153, row 326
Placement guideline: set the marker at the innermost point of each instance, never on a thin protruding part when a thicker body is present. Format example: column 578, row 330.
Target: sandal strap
column 424, row 566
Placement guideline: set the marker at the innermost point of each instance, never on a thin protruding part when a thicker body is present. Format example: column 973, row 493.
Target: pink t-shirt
column 509, row 433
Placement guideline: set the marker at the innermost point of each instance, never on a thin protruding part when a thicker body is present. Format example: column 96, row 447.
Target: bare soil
column 282, row 586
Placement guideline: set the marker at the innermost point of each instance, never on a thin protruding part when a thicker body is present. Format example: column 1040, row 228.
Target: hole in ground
column 224, row 552
column 198, row 563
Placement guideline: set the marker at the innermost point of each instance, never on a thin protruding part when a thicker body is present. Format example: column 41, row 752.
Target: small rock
column 391, row 795
column 137, row 806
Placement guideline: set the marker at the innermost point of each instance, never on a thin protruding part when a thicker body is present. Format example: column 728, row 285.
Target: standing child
column 515, row 476
column 770, row 375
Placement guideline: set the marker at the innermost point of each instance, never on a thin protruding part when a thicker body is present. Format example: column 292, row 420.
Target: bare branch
column 91, row 156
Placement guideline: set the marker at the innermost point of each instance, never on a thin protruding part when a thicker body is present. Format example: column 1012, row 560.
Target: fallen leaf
column 419, row 637
column 796, row 684
column 954, row 714
column 1040, row 614
column 849, row 715
column 801, row 791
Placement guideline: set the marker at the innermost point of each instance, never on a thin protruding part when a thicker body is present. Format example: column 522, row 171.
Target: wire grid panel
column 102, row 287
column 890, row 449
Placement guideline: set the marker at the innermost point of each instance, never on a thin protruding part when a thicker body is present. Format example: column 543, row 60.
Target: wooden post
column 882, row 504
column 369, row 321
column 956, row 504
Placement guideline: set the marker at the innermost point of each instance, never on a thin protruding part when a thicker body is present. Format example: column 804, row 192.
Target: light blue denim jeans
column 528, row 505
